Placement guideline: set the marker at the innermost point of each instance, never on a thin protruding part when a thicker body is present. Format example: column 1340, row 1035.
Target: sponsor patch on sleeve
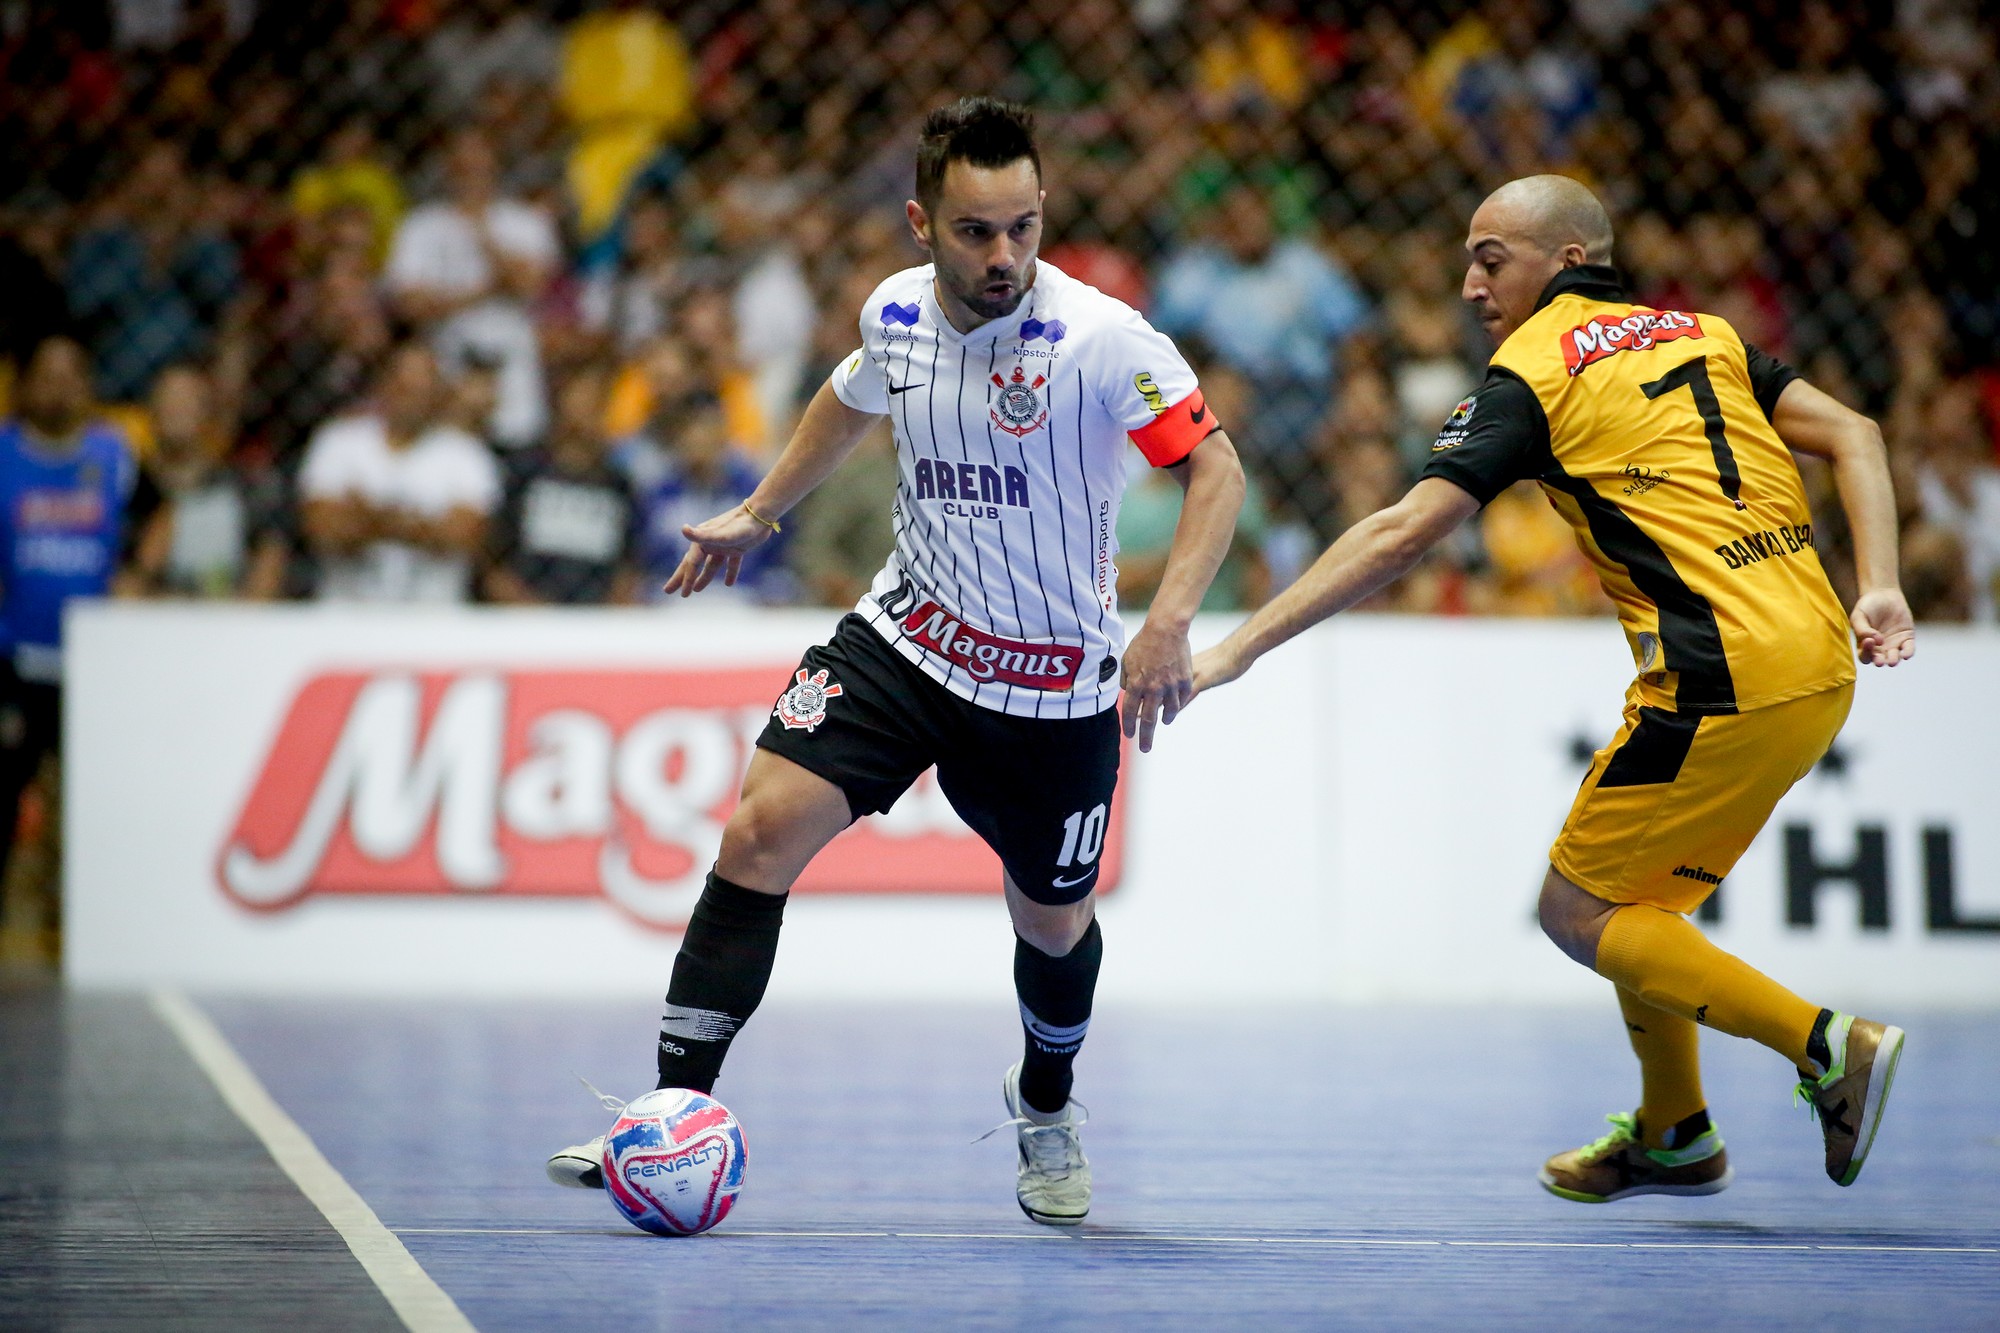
column 1457, row 425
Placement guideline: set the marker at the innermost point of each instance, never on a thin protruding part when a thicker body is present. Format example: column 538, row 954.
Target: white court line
column 417, row 1300
column 1738, row 1245
column 1549, row 1245
column 1365, row 1242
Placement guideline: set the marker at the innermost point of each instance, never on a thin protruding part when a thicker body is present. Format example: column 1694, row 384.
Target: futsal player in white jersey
column 990, row 644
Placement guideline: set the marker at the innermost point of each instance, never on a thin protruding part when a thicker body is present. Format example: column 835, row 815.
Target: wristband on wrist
column 769, row 523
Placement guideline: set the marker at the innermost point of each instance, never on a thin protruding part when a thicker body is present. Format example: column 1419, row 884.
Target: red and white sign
column 526, row 803
column 1595, row 339
column 570, row 783
column 988, row 657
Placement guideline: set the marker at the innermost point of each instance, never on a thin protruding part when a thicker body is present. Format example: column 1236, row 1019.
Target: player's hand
column 716, row 547
column 1885, row 632
column 1217, row 666
column 1158, row 681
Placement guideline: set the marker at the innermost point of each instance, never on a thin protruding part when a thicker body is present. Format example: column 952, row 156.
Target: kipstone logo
column 489, row 784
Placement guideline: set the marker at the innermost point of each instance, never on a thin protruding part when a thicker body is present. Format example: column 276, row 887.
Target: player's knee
column 756, row 843
column 1573, row 918
column 1559, row 918
column 1054, row 929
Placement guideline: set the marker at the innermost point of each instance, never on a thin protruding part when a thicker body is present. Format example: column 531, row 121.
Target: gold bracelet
column 760, row 518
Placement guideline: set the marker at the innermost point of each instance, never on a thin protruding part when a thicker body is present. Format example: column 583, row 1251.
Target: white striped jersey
column 1010, row 444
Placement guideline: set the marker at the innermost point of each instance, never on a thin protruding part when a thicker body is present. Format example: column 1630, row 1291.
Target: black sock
column 1688, row 1130
column 1817, row 1050
column 719, row 979
column 1055, row 1013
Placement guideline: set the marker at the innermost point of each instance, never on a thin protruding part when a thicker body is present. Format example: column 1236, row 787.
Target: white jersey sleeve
column 860, row 382
column 1146, row 386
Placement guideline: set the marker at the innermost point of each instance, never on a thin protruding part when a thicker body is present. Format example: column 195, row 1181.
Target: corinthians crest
column 1018, row 408
column 803, row 707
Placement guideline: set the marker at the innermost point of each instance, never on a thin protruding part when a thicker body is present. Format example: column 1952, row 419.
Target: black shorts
column 30, row 728
column 1038, row 790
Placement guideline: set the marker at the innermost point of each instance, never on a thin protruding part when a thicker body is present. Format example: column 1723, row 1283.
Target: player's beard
column 972, row 293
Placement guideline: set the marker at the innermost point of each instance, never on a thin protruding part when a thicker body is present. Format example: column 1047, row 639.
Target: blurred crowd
column 453, row 300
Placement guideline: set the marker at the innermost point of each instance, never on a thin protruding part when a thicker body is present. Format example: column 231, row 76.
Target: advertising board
column 480, row 801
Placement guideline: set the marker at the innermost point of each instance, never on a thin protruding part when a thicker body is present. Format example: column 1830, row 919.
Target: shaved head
column 1552, row 212
column 1525, row 233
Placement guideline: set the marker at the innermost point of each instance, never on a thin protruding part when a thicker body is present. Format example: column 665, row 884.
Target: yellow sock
column 1669, row 1066
column 1669, row 965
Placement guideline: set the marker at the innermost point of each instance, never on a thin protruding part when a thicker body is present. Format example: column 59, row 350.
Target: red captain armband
column 1174, row 431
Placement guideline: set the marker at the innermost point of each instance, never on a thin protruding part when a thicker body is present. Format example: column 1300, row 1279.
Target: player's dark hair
column 981, row 131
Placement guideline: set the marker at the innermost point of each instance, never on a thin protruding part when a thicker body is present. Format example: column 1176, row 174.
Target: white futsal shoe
column 580, row 1167
column 1053, row 1182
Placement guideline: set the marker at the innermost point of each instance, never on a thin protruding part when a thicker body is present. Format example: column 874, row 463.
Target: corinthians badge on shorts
column 803, row 707
column 1018, row 409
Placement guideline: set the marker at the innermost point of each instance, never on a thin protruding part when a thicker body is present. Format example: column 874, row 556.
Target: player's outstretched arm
column 1159, row 668
column 1368, row 557
column 1813, row 422
column 826, row 435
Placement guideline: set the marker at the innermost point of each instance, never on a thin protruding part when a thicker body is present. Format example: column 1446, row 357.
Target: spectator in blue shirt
column 67, row 487
column 696, row 473
column 149, row 281
column 1276, row 309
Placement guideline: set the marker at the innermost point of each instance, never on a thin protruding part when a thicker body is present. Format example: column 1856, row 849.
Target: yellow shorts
column 1671, row 804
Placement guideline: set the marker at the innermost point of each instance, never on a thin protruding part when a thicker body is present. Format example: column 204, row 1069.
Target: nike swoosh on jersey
column 1072, row 883
column 905, row 388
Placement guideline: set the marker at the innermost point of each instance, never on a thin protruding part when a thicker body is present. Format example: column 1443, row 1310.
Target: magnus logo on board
column 489, row 784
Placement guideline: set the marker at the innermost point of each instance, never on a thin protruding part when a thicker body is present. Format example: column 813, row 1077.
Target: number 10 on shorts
column 1083, row 837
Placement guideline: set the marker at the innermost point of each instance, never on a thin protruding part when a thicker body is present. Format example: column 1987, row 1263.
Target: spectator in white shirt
column 469, row 267
column 771, row 300
column 481, row 40
column 395, row 502
column 1958, row 485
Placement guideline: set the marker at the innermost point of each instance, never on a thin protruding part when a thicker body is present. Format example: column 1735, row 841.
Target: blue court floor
column 1304, row 1168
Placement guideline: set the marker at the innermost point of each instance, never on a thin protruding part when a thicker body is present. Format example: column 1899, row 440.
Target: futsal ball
column 673, row 1164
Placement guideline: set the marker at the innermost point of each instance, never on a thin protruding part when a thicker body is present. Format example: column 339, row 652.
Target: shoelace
column 1625, row 1129
column 1051, row 1148
column 604, row 1099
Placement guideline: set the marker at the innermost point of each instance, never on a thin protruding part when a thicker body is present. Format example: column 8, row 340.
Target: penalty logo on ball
column 673, row 1164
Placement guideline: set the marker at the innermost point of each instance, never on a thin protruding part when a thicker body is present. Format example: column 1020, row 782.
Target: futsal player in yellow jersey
column 1667, row 443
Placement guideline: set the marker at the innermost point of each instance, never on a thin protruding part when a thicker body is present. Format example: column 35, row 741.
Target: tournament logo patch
column 1455, row 427
column 1018, row 408
column 803, row 707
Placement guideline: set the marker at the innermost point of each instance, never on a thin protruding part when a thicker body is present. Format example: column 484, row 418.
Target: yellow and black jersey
column 1650, row 432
